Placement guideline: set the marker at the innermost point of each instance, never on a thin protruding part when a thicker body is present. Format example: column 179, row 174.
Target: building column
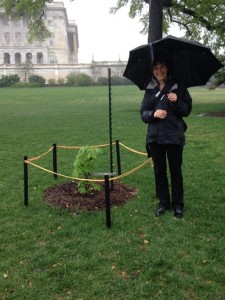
column 1, row 31
column 23, row 33
column 56, row 72
column 11, row 44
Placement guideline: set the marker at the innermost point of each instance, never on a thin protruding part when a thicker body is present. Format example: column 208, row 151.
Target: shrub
column 25, row 84
column 71, row 79
column 37, row 79
column 212, row 83
column 84, row 80
column 117, row 80
column 9, row 80
column 81, row 79
column 102, row 81
column 51, row 82
column 61, row 81
column 126, row 81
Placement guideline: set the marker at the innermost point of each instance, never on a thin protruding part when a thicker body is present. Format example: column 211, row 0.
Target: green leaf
column 84, row 165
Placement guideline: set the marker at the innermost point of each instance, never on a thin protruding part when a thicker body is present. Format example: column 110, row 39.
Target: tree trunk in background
column 155, row 20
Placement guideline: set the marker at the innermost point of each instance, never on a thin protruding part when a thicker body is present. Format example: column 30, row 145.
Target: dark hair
column 161, row 59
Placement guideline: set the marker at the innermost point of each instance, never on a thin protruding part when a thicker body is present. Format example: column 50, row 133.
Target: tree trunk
column 155, row 20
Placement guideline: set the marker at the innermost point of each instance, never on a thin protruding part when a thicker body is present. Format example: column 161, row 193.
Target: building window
column 52, row 58
column 17, row 23
column 18, row 38
column 51, row 42
column 7, row 38
column 17, row 58
column 6, row 58
column 62, row 20
column 50, row 22
column 39, row 43
column 28, row 57
column 40, row 58
column 5, row 20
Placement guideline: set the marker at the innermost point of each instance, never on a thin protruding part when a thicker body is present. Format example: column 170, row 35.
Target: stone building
column 61, row 48
column 54, row 58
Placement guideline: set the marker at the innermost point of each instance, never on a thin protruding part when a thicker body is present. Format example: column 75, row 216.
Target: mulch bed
column 66, row 196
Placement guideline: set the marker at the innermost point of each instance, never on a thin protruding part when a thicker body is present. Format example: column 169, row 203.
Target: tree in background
column 25, row 69
column 155, row 16
column 33, row 11
column 200, row 20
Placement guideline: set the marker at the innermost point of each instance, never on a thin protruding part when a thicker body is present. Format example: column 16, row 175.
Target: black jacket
column 171, row 129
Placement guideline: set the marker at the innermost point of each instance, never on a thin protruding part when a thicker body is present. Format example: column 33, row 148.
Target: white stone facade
column 54, row 58
column 61, row 48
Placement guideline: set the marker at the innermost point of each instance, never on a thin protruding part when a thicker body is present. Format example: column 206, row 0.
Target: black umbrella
column 190, row 63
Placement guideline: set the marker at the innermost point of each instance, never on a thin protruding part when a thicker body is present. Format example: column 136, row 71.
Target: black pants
column 160, row 154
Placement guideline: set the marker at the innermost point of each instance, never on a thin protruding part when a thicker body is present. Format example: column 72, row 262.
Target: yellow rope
column 132, row 150
column 133, row 170
column 65, row 176
column 39, row 156
column 79, row 147
column 29, row 161
column 85, row 179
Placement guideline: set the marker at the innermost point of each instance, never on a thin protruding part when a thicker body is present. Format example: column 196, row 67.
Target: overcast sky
column 103, row 36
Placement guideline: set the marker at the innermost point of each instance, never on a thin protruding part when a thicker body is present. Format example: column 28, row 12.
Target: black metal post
column 54, row 154
column 107, row 202
column 118, row 157
column 110, row 124
column 25, row 168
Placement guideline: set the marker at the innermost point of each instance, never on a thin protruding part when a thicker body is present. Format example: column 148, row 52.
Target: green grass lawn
column 47, row 253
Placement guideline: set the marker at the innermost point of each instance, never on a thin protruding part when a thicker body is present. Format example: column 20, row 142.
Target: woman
column 165, row 135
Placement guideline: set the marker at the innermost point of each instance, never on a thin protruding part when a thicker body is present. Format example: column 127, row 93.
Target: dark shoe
column 178, row 213
column 160, row 211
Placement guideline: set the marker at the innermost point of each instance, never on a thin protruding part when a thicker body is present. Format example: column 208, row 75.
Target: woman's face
column 160, row 72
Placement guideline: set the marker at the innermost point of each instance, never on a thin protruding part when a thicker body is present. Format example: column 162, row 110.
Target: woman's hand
column 160, row 113
column 172, row 97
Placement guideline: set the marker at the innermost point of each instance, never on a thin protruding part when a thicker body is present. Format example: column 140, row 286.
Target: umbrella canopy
column 190, row 63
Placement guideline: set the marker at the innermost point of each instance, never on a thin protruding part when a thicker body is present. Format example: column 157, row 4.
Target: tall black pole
column 54, row 157
column 110, row 124
column 107, row 202
column 25, row 168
